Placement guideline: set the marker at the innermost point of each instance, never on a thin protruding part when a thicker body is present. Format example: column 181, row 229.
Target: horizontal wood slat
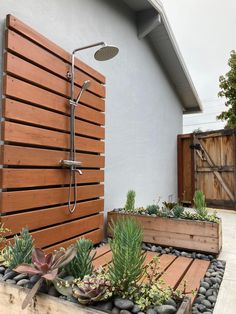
column 24, row 70
column 25, row 113
column 24, row 134
column 27, row 156
column 24, row 178
column 23, row 47
column 21, row 200
column 95, row 236
column 20, row 27
column 35, row 132
column 50, row 216
column 45, row 99
column 51, row 235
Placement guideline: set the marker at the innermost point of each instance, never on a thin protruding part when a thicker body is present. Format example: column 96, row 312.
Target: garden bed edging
column 12, row 296
column 202, row 236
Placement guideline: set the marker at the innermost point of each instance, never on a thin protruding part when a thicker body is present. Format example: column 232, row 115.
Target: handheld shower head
column 106, row 52
column 85, row 86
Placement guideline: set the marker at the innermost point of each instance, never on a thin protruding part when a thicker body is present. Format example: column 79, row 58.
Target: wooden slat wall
column 35, row 135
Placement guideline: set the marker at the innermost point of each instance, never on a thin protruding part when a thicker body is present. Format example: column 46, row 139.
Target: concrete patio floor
column 226, row 301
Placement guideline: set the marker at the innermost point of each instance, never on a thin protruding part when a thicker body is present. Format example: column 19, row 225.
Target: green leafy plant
column 3, row 240
column 178, row 211
column 45, row 266
column 130, row 201
column 92, row 288
column 19, row 252
column 200, row 204
column 228, row 92
column 152, row 209
column 127, row 266
column 81, row 264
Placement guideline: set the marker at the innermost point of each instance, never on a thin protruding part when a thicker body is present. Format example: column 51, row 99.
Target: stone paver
column 226, row 301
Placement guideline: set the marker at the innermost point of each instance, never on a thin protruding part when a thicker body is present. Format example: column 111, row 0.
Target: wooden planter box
column 12, row 296
column 186, row 234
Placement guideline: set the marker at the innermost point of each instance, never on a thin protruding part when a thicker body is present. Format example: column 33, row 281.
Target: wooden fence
column 35, row 135
column 207, row 162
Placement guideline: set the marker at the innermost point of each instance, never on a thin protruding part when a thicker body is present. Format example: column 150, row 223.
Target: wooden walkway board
column 176, row 270
column 196, row 271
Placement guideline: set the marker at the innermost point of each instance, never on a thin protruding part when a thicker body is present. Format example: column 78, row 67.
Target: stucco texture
column 143, row 113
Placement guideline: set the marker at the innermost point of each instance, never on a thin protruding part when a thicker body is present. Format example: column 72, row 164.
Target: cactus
column 130, row 201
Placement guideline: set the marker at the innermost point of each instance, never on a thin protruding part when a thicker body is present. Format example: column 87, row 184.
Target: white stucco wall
column 143, row 114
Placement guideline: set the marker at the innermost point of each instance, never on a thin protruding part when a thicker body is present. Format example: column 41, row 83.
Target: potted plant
column 173, row 225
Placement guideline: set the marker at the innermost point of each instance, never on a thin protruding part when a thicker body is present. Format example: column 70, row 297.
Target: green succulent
column 130, row 201
column 152, row 209
column 82, row 263
column 178, row 211
column 200, row 204
column 20, row 251
column 127, row 266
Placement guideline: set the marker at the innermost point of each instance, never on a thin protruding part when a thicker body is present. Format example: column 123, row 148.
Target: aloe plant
column 46, row 266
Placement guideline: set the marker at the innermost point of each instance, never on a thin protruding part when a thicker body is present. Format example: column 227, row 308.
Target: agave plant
column 92, row 289
column 45, row 266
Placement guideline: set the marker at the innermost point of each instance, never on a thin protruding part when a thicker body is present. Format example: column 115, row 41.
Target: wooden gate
column 207, row 162
column 35, row 135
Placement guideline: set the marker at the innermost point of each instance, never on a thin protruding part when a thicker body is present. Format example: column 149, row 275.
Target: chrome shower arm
column 89, row 46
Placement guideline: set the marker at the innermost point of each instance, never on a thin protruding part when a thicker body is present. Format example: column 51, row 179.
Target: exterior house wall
column 143, row 113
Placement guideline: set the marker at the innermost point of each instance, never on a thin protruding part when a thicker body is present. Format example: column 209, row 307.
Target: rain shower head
column 85, row 86
column 106, row 52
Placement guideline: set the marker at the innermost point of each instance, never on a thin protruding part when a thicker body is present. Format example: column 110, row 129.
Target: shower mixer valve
column 72, row 165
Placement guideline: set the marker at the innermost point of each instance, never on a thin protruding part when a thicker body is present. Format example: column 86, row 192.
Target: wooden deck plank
column 103, row 260
column 101, row 250
column 193, row 276
column 175, row 272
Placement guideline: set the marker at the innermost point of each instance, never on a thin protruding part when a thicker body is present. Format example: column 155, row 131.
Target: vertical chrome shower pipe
column 72, row 126
column 72, row 137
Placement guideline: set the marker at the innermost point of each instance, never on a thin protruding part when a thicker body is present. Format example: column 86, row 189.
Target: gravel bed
column 209, row 288
column 176, row 252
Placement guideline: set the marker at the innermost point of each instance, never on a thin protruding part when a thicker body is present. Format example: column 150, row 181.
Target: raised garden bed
column 203, row 236
column 12, row 297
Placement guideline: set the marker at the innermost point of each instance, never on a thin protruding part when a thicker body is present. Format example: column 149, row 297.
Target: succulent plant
column 20, row 251
column 200, row 204
column 92, row 289
column 178, row 211
column 46, row 266
column 81, row 264
column 130, row 201
column 152, row 209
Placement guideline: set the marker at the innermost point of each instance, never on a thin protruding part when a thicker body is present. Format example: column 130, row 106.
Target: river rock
column 123, row 304
column 21, row 276
column 151, row 311
column 135, row 309
column 22, row 282
column 165, row 309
